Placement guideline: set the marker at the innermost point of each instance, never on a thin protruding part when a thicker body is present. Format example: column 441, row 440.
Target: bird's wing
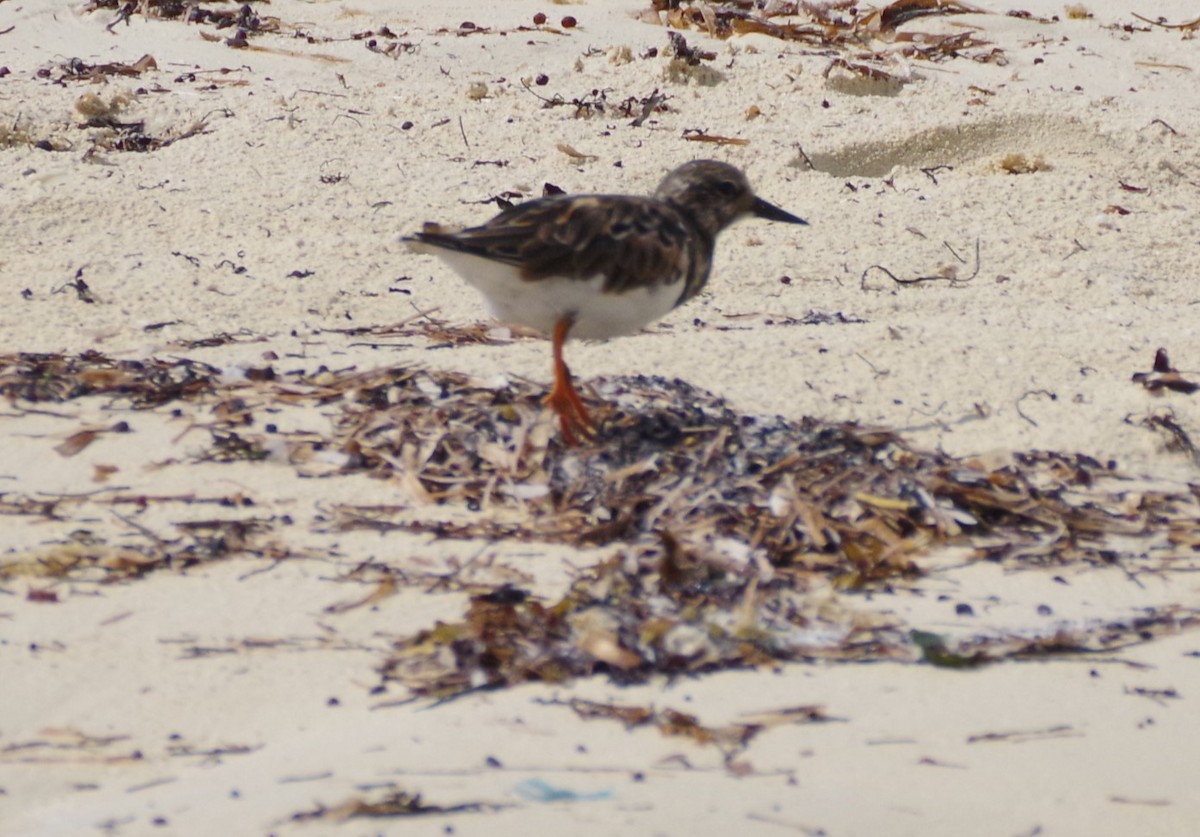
column 630, row 241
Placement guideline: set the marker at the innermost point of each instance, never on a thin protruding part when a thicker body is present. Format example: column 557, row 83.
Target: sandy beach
column 893, row 530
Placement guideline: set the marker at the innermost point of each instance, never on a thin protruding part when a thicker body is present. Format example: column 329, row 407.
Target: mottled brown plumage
column 599, row 266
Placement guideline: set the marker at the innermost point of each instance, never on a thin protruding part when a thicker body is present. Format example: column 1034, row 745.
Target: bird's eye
column 727, row 188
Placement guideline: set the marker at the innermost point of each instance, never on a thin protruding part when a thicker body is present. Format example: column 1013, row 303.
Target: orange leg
column 563, row 399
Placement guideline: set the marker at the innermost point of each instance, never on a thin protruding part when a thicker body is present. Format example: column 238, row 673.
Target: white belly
column 541, row 303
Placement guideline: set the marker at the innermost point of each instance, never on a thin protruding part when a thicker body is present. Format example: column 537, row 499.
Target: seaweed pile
column 731, row 530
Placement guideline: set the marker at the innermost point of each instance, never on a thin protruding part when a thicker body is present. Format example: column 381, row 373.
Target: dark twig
column 1044, row 392
column 1165, row 125
column 1190, row 24
column 930, row 171
column 953, row 280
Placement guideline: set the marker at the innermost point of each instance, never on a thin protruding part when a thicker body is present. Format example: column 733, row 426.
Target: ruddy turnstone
column 599, row 266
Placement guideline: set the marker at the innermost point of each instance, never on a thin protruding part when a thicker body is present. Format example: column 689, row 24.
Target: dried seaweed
column 690, row 617
column 900, row 12
column 723, row 522
column 132, row 136
column 697, row 135
column 845, row 26
column 1178, row 438
column 76, row 69
column 673, row 459
column 86, row 558
column 393, row 803
column 596, row 102
column 66, row 745
column 439, row 332
column 26, row 506
column 732, row 738
column 242, row 19
column 687, row 54
column 55, row 377
column 1102, row 638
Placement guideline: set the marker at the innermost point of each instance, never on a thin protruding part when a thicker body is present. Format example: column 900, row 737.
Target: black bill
column 771, row 212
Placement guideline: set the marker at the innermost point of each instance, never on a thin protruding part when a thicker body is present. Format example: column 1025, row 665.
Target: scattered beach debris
column 534, row 789
column 698, row 135
column 1188, row 27
column 596, row 103
column 67, row 745
column 845, row 26
column 665, row 618
column 1162, row 379
column 76, row 69
column 1177, row 438
column 54, row 378
column 725, row 524
column 391, row 803
column 945, row 273
column 1165, row 377
column 732, row 739
column 242, row 18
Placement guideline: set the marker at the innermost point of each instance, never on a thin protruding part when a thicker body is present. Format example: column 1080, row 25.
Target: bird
column 593, row 267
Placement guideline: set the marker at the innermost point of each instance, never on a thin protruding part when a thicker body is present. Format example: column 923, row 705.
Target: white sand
column 1036, row 351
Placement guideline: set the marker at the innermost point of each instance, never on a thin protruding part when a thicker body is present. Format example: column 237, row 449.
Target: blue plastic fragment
column 539, row 790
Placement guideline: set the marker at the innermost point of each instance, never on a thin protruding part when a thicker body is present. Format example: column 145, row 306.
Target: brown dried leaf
column 576, row 155
column 900, row 12
column 77, row 442
column 717, row 140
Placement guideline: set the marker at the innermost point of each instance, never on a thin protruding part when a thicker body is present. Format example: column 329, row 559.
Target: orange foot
column 564, row 399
